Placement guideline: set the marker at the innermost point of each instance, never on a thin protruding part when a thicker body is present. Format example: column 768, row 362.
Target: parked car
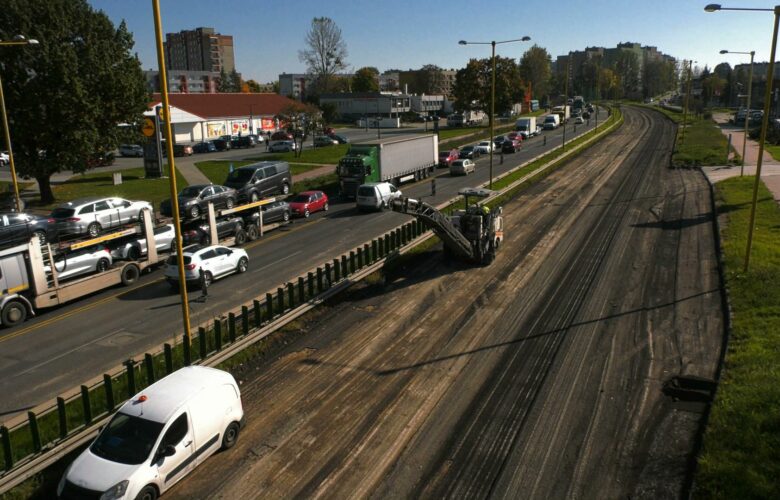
column 308, row 202
column 376, row 195
column 257, row 138
column 92, row 215
column 281, row 135
column 199, row 233
column 243, row 141
column 216, row 261
column 158, row 437
column 510, row 146
column 261, row 179
column 131, row 150
column 164, row 241
column 178, row 149
column 462, row 167
column 94, row 259
column 204, row 147
column 579, row 120
column 194, row 200
column 470, row 152
column 324, row 140
column 18, row 228
column 329, row 131
column 221, row 144
column 447, row 157
column 339, row 138
column 484, row 147
column 283, row 146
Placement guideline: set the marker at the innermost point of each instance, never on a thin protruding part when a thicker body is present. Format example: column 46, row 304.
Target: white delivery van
column 158, row 437
column 376, row 195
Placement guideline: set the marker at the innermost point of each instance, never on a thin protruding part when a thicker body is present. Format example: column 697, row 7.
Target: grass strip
column 740, row 457
column 703, row 144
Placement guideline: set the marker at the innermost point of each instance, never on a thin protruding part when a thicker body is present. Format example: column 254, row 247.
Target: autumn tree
column 366, row 79
column 252, row 86
column 66, row 96
column 472, row 89
column 325, row 54
column 535, row 69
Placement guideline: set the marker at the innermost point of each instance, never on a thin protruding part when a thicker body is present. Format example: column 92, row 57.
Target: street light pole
column 764, row 120
column 493, row 92
column 18, row 40
column 687, row 98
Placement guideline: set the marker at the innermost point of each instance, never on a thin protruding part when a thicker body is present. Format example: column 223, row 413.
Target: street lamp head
column 724, row 51
column 525, row 38
column 32, row 41
column 712, row 7
column 463, row 42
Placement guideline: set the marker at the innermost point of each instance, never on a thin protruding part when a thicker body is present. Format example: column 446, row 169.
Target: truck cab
column 358, row 167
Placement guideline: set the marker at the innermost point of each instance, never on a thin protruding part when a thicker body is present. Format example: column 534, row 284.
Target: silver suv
column 93, row 215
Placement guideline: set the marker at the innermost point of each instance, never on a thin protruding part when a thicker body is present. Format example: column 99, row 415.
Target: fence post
column 168, row 359
column 108, row 385
column 301, row 290
column 269, row 306
column 218, row 334
column 130, row 365
column 258, row 313
column 187, row 350
column 319, row 277
column 232, row 327
column 34, row 431
column 149, row 362
column 203, row 344
column 86, row 405
column 344, row 268
column 374, row 249
column 351, row 262
column 387, row 244
column 291, row 295
column 5, row 437
column 367, row 253
column 336, row 270
column 62, row 417
column 280, row 300
column 310, row 284
column 244, row 320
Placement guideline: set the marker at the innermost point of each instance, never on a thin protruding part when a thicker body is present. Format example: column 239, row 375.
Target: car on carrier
column 16, row 228
column 164, row 241
column 158, row 437
column 91, row 216
column 94, row 259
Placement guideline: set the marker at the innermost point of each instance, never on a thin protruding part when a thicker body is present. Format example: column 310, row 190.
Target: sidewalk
column 770, row 168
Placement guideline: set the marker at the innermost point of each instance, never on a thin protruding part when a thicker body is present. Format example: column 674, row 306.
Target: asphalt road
column 539, row 376
column 63, row 347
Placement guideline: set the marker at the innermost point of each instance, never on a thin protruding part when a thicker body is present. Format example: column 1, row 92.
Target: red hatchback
column 308, row 202
column 514, row 136
column 447, row 157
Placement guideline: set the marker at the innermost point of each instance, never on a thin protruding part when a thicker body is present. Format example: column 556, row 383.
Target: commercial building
column 197, row 117
column 357, row 104
column 200, row 49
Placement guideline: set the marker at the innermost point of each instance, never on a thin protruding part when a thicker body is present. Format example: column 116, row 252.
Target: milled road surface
column 537, row 377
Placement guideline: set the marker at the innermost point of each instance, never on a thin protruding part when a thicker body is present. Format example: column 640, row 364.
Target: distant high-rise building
column 200, row 49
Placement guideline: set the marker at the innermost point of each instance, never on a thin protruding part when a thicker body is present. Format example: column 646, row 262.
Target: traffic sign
column 161, row 113
column 148, row 127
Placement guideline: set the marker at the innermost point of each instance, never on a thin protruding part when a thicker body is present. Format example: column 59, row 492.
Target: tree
column 252, row 86
column 466, row 89
column 229, row 82
column 535, row 69
column 326, row 52
column 627, row 70
column 366, row 79
column 427, row 80
column 66, row 96
column 301, row 120
column 472, row 89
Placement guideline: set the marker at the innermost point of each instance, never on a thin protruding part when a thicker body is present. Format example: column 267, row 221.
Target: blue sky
column 267, row 35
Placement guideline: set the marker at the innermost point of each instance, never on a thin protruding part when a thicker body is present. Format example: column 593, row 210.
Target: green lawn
column 217, row 171
column 329, row 155
column 773, row 150
column 134, row 187
column 741, row 448
column 703, row 143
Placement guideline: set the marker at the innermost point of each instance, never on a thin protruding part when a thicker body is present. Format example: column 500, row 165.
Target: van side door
column 178, row 435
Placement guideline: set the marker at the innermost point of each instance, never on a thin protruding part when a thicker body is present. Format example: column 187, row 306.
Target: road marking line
column 66, row 353
column 277, row 261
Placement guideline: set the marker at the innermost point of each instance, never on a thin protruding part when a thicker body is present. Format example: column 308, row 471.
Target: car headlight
column 116, row 491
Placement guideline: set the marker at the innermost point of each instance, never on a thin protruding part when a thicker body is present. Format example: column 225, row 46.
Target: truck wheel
column 252, row 232
column 130, row 274
column 14, row 313
column 240, row 238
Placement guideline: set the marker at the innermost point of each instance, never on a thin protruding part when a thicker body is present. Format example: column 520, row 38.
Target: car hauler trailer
column 29, row 278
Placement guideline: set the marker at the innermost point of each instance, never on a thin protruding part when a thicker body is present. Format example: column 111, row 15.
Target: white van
column 376, row 195
column 158, row 437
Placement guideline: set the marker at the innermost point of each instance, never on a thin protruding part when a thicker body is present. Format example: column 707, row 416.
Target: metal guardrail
column 52, row 430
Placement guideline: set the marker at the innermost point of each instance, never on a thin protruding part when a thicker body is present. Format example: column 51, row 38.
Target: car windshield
column 301, row 198
column 240, row 175
column 127, row 439
column 62, row 213
column 190, row 192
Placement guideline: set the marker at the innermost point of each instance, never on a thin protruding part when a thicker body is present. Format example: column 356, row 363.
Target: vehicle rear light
column 189, row 267
column 72, row 219
column 51, row 221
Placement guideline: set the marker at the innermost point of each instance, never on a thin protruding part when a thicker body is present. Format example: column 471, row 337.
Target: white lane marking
column 277, row 261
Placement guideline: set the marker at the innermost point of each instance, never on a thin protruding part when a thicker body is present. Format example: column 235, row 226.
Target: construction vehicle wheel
column 14, row 313
column 130, row 274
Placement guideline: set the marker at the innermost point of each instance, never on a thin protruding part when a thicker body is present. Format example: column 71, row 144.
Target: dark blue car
column 204, row 147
